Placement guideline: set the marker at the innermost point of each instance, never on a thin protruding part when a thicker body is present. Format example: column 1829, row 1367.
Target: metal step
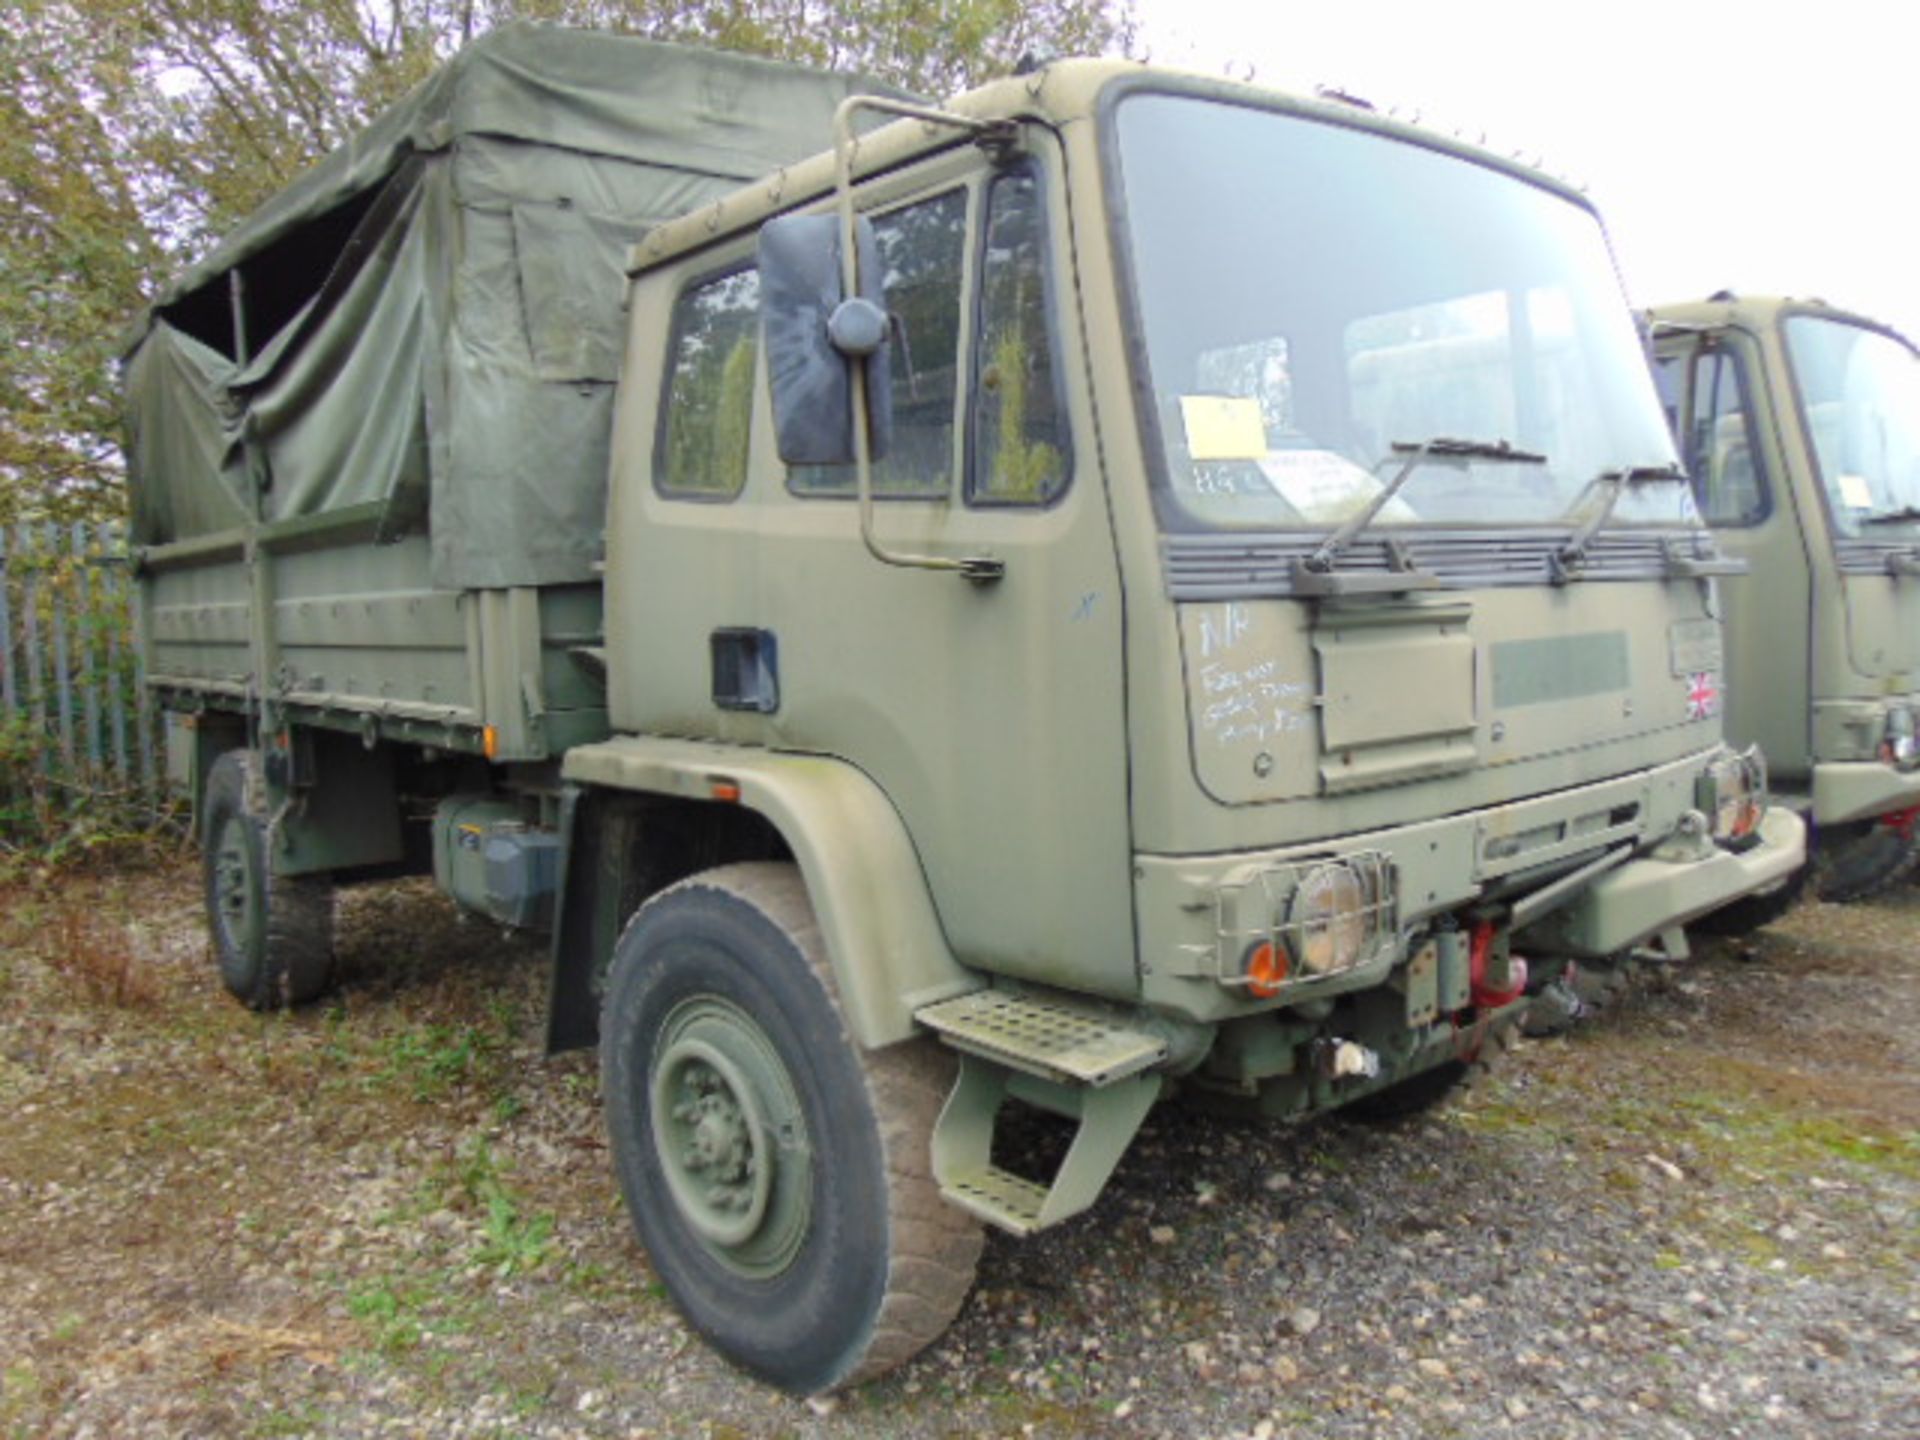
column 999, row 1197
column 962, row 1146
column 1042, row 1037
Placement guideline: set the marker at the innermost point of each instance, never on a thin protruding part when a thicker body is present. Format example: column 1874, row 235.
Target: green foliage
column 134, row 132
column 1023, row 470
column 511, row 1242
column 391, row 1315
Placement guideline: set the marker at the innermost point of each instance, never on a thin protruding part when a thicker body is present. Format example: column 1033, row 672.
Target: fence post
column 115, row 591
column 89, row 636
column 62, row 651
column 9, row 693
column 36, row 681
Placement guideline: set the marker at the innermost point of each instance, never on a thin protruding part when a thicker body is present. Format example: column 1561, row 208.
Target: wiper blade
column 1902, row 516
column 1442, row 449
column 1566, row 561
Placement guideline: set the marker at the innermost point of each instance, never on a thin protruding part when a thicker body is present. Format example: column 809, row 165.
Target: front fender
column 863, row 875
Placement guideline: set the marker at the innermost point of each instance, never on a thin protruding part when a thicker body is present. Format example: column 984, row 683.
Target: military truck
column 1800, row 425
column 1127, row 585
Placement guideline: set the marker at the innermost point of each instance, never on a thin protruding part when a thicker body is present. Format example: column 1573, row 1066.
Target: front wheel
column 272, row 934
column 778, row 1174
column 1856, row 861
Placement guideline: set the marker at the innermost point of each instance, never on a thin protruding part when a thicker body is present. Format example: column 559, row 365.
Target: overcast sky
column 1761, row 146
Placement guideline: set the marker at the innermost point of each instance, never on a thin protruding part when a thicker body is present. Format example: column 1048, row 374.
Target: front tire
column 778, row 1174
column 272, row 934
column 1856, row 861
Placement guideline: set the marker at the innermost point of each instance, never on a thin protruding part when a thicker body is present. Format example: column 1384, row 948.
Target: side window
column 921, row 249
column 707, row 411
column 1668, row 375
column 1720, row 454
column 1019, row 432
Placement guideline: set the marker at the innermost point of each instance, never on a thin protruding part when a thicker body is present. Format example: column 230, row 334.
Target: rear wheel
column 1853, row 862
column 272, row 934
column 778, row 1174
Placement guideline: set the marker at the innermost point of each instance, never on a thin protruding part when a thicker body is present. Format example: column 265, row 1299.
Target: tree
column 134, row 132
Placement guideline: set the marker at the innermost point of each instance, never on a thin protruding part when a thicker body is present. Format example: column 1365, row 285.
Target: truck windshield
column 1860, row 397
column 1311, row 295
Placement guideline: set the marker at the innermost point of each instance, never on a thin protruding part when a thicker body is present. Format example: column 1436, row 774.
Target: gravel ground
column 390, row 1215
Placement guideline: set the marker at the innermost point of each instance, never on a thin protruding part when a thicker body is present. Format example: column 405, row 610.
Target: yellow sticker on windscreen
column 1223, row 427
column 1855, row 492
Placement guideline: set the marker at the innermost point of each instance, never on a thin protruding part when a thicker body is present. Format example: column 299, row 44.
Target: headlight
column 1899, row 744
column 1733, row 793
column 1328, row 919
column 1285, row 925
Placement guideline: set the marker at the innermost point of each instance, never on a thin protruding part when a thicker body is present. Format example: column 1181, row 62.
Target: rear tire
column 779, row 1176
column 272, row 934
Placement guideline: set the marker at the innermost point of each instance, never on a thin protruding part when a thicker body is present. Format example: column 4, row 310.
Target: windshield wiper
column 1442, row 449
column 1567, row 559
column 1905, row 514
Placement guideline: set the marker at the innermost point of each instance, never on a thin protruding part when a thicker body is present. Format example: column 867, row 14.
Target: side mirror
column 815, row 334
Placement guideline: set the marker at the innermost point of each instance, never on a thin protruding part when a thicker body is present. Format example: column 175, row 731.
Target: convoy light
column 1267, row 968
column 1329, row 919
column 1899, row 742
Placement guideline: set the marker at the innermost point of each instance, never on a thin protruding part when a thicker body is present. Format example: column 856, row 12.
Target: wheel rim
column 730, row 1136
column 233, row 898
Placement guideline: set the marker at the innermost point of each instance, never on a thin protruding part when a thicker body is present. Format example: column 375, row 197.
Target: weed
column 85, row 948
column 391, row 1314
column 302, row 1420
column 513, row 1242
column 433, row 1060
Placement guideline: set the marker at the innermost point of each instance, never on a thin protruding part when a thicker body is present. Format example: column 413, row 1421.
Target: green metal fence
column 78, row 739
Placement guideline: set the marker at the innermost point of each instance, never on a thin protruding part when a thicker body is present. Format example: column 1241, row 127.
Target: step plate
column 1000, row 1198
column 1042, row 1038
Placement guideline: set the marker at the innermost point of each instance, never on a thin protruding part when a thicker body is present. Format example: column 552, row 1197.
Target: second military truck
column 1800, row 424
column 1128, row 584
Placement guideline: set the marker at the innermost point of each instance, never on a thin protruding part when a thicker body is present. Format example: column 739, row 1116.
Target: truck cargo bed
column 358, row 638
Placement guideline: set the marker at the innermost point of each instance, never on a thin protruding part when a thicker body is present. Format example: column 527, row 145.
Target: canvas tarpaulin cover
column 433, row 314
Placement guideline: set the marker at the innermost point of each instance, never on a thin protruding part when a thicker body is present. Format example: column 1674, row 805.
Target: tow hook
column 1339, row 1059
column 1489, row 988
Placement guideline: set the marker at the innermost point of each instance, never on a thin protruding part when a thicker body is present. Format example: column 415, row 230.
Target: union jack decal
column 1703, row 695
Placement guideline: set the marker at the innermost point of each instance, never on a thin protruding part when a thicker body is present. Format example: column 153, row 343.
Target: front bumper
column 1845, row 790
column 1643, row 897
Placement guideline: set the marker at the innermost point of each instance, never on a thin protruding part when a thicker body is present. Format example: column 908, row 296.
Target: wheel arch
column 863, row 876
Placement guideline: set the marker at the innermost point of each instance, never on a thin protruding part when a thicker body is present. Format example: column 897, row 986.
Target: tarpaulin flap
column 341, row 416
column 521, row 499
column 177, row 441
column 574, row 331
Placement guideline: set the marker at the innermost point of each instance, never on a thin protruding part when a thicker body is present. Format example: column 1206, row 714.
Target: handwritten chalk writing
column 1251, row 703
column 1219, row 633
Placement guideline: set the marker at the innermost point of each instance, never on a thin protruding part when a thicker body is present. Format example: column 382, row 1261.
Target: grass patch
column 391, row 1313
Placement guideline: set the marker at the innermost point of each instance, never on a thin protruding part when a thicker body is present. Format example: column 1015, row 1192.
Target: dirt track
column 390, row 1215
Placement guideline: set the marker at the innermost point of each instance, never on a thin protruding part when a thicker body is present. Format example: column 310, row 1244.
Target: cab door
column 1718, row 407
column 990, row 712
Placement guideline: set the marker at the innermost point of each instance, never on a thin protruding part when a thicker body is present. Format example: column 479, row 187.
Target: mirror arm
column 979, row 568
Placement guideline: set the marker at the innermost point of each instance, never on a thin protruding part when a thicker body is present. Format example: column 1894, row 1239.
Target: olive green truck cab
column 1800, row 424
column 1204, row 606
